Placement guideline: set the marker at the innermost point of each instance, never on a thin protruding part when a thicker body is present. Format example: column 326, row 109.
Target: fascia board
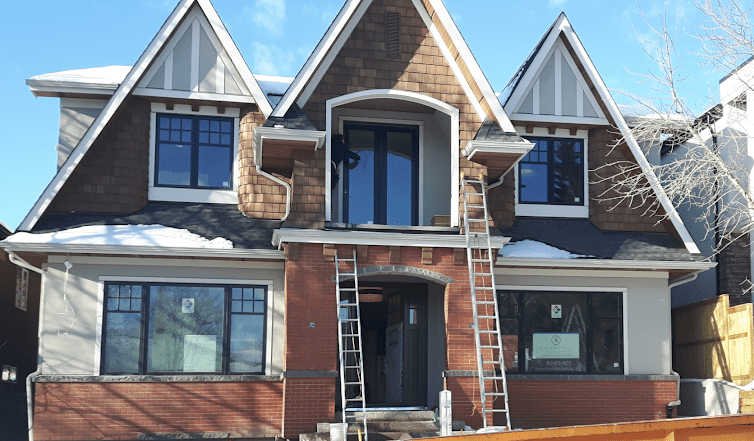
column 313, row 63
column 235, row 56
column 468, row 57
column 214, row 253
column 262, row 133
column 536, row 65
column 128, row 84
column 517, row 148
column 288, row 235
column 633, row 145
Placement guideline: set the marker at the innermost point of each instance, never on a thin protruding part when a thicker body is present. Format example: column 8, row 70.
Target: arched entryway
column 402, row 323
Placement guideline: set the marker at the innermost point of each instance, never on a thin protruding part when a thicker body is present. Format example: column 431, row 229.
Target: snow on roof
column 108, row 75
column 531, row 249
column 125, row 235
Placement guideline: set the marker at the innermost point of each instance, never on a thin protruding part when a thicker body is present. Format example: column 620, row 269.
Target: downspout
column 32, row 376
column 677, row 401
column 284, row 184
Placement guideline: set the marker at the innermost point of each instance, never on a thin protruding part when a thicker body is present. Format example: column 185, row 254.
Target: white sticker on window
column 556, row 311
column 187, row 306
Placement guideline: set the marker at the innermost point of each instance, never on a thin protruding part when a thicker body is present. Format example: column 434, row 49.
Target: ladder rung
column 481, row 275
column 353, row 383
column 488, row 332
column 491, row 361
column 476, row 206
column 486, row 317
column 350, row 335
column 496, row 394
column 488, row 346
column 498, row 410
column 347, row 289
column 480, row 260
column 487, row 288
column 484, row 302
column 344, row 305
column 475, row 220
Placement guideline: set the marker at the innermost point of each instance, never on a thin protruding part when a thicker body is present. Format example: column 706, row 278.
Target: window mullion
column 194, row 152
column 143, row 329
column 226, row 332
column 380, row 175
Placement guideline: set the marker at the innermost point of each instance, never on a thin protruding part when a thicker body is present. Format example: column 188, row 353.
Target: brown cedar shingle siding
column 362, row 65
column 113, row 176
column 258, row 196
column 606, row 215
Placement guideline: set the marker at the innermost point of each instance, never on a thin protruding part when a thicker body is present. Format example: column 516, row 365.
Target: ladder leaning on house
column 352, row 392
column 489, row 344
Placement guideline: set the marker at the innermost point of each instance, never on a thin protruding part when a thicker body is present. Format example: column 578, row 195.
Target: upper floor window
column 383, row 186
column 194, row 152
column 162, row 328
column 552, row 173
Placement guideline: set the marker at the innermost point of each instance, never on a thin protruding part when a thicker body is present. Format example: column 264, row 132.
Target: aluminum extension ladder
column 489, row 344
column 353, row 396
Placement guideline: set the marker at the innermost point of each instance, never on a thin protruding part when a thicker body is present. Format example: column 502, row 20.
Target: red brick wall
column 308, row 401
column 98, row 411
column 113, row 177
column 549, row 403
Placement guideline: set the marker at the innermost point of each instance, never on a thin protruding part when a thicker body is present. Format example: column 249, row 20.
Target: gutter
column 212, row 253
column 32, row 376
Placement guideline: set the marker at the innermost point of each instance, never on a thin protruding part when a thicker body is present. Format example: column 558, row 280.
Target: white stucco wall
column 72, row 312
column 646, row 320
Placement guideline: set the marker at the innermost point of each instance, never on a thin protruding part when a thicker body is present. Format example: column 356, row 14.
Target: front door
column 395, row 346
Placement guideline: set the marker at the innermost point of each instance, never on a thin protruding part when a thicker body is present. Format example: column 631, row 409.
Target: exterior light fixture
column 10, row 374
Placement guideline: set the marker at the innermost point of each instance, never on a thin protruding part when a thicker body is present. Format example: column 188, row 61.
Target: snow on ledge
column 124, row 235
column 530, row 249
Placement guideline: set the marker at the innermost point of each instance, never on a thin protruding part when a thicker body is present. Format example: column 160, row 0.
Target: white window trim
column 193, row 194
column 269, row 309
column 547, row 210
column 386, row 121
column 624, row 291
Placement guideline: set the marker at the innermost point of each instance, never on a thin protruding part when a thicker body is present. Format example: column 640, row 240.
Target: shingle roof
column 580, row 236
column 491, row 131
column 294, row 119
column 207, row 220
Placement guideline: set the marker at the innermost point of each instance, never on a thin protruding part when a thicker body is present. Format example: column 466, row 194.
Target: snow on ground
column 125, row 235
column 531, row 249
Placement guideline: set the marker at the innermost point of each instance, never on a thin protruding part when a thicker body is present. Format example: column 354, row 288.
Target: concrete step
column 391, row 415
column 387, row 426
column 373, row 436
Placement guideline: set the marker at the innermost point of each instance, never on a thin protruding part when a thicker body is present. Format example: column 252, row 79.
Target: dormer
column 554, row 103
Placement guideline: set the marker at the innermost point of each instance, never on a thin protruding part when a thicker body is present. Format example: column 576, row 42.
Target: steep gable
column 229, row 74
column 430, row 44
column 558, row 87
column 194, row 62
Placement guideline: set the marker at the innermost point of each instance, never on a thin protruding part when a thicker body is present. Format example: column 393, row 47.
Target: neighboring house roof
column 207, row 220
column 132, row 81
column 294, row 119
column 5, row 230
column 526, row 75
column 94, row 81
column 441, row 27
column 491, row 131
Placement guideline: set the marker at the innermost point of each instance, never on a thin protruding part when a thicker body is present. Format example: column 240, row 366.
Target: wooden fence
column 713, row 340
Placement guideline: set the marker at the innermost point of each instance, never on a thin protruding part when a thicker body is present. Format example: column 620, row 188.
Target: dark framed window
column 556, row 332
column 193, row 152
column 164, row 328
column 552, row 172
column 383, row 186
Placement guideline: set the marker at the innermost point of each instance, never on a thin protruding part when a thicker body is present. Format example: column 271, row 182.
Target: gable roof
column 562, row 28
column 130, row 82
column 445, row 33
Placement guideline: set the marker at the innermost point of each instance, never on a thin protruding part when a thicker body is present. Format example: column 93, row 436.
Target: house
column 19, row 315
column 188, row 242
column 727, row 128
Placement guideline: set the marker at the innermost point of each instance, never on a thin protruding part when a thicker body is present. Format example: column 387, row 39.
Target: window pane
column 122, row 337
column 508, row 306
column 533, row 183
column 214, row 166
column 607, row 345
column 185, row 329
column 555, row 332
column 360, row 191
column 399, row 178
column 174, row 164
column 566, row 183
column 246, row 343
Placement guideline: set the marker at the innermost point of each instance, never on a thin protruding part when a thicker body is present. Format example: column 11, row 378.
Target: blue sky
column 275, row 38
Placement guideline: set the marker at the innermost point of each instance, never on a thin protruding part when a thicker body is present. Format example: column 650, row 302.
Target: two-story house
column 188, row 240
